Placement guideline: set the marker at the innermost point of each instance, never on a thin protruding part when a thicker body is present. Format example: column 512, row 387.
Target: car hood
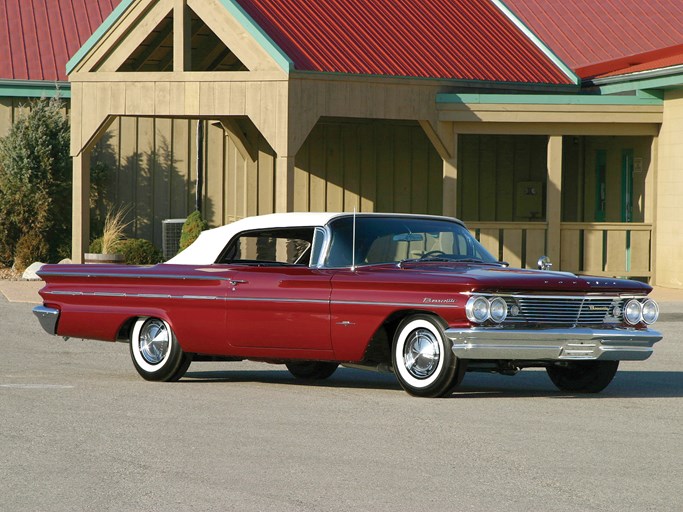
column 488, row 277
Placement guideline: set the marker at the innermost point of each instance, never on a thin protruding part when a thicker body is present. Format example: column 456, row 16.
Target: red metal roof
column 37, row 37
column 597, row 37
column 467, row 39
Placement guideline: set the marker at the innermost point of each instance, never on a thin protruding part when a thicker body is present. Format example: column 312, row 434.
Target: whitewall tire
column 422, row 358
column 155, row 351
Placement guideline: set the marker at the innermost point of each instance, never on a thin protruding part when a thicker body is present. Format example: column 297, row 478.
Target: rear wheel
column 583, row 376
column 155, row 351
column 422, row 357
column 311, row 370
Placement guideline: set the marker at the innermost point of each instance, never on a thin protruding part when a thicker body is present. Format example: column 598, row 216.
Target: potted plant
column 105, row 248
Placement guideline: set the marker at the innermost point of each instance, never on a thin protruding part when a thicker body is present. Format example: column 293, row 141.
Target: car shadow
column 626, row 384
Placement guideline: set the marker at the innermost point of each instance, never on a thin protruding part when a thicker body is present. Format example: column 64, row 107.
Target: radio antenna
column 353, row 242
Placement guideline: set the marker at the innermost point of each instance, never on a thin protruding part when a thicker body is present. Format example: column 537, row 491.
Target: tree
column 35, row 186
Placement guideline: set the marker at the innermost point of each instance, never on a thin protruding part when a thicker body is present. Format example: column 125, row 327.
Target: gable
column 144, row 35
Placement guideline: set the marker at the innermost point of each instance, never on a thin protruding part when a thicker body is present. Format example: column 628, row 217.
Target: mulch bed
column 8, row 274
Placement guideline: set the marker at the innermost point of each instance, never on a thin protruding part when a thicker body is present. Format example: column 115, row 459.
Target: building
column 524, row 119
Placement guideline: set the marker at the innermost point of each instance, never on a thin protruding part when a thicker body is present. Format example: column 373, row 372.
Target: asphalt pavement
column 81, row 431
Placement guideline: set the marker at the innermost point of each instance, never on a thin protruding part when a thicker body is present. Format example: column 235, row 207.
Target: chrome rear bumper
column 553, row 344
column 47, row 317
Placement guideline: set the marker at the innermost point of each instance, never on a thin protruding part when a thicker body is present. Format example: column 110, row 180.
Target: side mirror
column 544, row 263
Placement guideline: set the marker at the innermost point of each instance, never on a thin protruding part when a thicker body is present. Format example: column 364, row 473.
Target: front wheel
column 155, row 351
column 583, row 376
column 423, row 361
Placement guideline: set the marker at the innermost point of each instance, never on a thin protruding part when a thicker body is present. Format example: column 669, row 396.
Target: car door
column 279, row 307
column 276, row 300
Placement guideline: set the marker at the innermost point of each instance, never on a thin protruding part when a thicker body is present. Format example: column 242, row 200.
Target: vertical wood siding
column 369, row 165
column 152, row 171
column 490, row 166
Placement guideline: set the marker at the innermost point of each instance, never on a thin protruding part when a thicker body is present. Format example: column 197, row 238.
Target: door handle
column 235, row 282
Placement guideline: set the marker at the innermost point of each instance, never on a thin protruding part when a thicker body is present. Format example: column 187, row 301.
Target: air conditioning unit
column 170, row 236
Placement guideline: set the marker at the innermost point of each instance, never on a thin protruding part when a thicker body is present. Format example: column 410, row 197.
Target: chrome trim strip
column 427, row 305
column 249, row 299
column 596, row 295
column 135, row 276
column 553, row 344
column 47, row 317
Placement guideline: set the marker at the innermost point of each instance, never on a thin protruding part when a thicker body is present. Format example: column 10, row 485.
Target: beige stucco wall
column 669, row 209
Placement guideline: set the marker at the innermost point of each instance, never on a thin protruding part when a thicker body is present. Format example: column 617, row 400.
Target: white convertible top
column 206, row 249
column 208, row 246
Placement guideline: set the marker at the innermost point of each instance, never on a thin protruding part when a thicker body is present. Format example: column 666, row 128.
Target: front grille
column 588, row 310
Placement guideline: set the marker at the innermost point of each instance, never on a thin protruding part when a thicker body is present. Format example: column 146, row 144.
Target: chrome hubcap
column 154, row 341
column 421, row 353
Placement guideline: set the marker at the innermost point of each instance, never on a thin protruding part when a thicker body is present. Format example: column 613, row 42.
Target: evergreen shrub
column 193, row 226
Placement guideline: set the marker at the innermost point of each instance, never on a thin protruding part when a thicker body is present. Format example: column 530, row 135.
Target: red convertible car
column 414, row 295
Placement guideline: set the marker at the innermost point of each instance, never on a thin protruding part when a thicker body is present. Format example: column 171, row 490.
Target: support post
column 284, row 184
column 554, row 199
column 650, row 198
column 450, row 180
column 80, row 217
column 181, row 40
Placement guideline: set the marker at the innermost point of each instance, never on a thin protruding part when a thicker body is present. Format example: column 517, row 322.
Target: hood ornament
column 544, row 263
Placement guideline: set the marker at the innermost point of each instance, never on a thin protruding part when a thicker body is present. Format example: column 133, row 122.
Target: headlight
column 650, row 311
column 477, row 309
column 499, row 310
column 633, row 312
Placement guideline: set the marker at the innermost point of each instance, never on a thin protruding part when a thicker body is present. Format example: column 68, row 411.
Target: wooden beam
column 182, row 49
column 577, row 129
column 153, row 46
column 554, row 198
column 80, row 210
column 233, row 35
column 234, row 131
column 440, row 134
column 134, row 38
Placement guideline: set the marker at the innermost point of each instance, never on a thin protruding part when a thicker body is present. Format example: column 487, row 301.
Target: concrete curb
column 22, row 291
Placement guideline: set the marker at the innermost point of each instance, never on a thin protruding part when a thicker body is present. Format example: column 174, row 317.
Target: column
column 450, row 179
column 80, row 217
column 284, row 184
column 554, row 199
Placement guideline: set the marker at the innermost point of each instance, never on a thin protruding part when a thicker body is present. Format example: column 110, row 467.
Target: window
column 390, row 240
column 286, row 246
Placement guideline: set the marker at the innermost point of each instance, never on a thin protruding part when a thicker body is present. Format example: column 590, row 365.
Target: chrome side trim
column 135, row 276
column 592, row 295
column 247, row 299
column 553, row 344
column 47, row 317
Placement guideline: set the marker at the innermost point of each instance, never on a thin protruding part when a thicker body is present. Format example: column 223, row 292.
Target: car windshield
column 397, row 239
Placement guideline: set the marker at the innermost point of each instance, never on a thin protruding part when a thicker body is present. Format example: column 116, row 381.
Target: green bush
column 193, row 226
column 31, row 247
column 96, row 246
column 137, row 251
column 35, row 184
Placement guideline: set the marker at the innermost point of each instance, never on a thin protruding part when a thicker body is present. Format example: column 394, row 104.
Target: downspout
column 200, row 166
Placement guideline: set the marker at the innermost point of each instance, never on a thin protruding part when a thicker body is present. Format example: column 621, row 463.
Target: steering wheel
column 433, row 253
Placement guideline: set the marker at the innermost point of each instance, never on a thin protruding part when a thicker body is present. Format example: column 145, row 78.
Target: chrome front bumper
column 47, row 317
column 553, row 344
